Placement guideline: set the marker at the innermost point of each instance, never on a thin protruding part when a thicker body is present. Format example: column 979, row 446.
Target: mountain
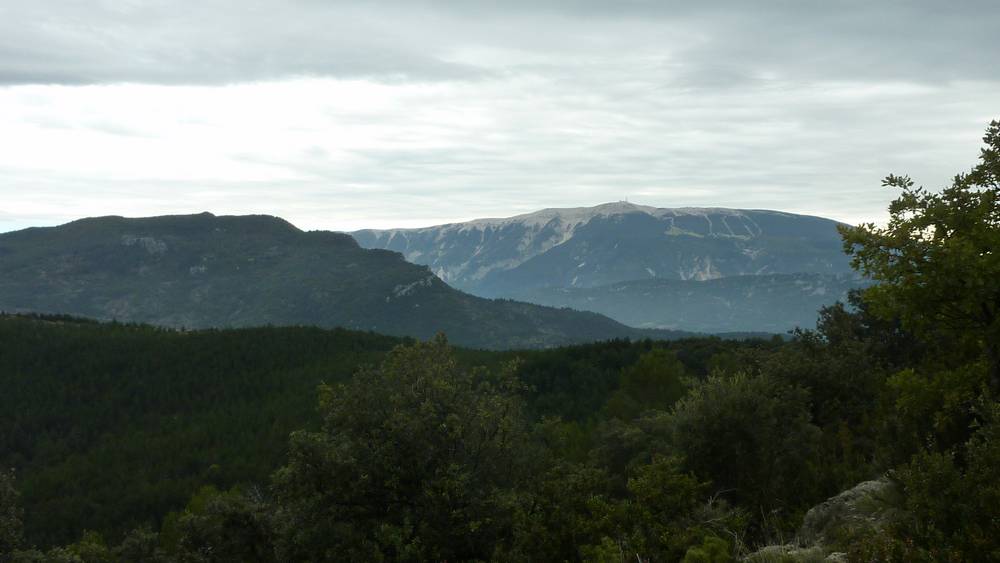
column 615, row 242
column 702, row 269
column 770, row 303
column 200, row 271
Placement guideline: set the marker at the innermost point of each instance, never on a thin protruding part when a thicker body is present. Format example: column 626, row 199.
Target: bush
column 753, row 438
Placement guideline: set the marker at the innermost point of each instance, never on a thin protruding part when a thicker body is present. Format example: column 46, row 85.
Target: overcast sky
column 344, row 115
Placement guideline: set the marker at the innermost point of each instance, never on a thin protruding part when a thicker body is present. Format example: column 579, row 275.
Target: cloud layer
column 354, row 114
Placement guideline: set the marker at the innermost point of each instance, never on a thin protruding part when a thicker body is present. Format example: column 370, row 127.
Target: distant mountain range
column 200, row 271
column 643, row 266
column 627, row 270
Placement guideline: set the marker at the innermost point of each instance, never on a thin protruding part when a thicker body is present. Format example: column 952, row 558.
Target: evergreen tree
column 11, row 527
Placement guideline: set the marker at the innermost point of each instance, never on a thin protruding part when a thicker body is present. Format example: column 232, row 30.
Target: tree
column 11, row 527
column 418, row 459
column 223, row 526
column 954, row 504
column 662, row 500
column 656, row 381
column 937, row 260
column 753, row 438
column 141, row 545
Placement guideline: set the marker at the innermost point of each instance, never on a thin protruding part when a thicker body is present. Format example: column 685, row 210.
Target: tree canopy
column 937, row 260
column 418, row 459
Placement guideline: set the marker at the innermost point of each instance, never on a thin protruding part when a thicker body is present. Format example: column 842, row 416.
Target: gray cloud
column 468, row 108
column 206, row 42
column 701, row 44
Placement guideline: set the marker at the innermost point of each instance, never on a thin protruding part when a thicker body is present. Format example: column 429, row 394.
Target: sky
column 347, row 115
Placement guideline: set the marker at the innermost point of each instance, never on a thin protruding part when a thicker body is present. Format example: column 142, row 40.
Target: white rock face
column 410, row 288
column 150, row 244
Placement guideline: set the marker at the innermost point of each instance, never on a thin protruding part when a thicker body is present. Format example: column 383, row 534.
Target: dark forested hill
column 202, row 271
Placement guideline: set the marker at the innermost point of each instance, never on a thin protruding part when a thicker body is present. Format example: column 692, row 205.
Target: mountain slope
column 588, row 247
column 205, row 271
column 771, row 303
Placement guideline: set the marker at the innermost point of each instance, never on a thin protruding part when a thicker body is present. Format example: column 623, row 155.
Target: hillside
column 200, row 271
column 615, row 242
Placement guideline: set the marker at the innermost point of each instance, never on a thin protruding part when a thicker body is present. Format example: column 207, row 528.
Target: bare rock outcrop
column 830, row 527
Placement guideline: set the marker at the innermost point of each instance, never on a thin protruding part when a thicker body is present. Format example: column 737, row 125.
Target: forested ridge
column 207, row 271
column 693, row 450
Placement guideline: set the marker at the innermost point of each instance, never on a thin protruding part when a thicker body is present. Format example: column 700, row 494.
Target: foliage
column 418, row 459
column 141, row 545
column 883, row 340
column 574, row 383
column 886, row 548
column 712, row 550
column 569, row 511
column 845, row 386
column 938, row 270
column 936, row 260
column 11, row 514
column 954, row 497
column 663, row 501
column 655, row 381
column 842, row 381
column 219, row 527
column 933, row 409
column 111, row 426
column 753, row 438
